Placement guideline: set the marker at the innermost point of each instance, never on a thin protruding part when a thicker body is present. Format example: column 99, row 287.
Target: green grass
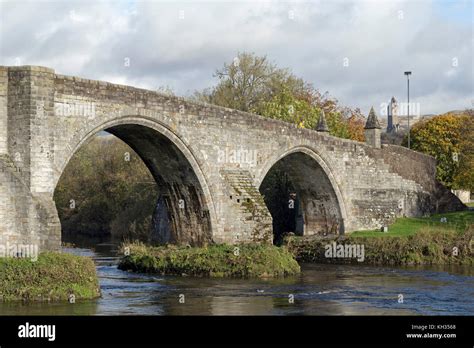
column 427, row 246
column 404, row 227
column 470, row 204
column 52, row 277
column 244, row 260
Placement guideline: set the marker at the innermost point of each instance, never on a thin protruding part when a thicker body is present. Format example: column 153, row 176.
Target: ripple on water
column 319, row 290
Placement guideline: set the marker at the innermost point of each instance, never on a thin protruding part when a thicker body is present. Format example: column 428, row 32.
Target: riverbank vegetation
column 52, row 277
column 409, row 241
column 106, row 192
column 244, row 260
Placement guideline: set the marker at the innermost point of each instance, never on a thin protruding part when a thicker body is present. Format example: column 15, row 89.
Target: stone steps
column 382, row 178
column 248, row 201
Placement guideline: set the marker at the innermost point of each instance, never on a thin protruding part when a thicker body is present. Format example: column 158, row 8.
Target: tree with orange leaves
column 450, row 139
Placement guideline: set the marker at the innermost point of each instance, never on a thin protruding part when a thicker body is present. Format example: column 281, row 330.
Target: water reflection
column 319, row 290
column 80, row 308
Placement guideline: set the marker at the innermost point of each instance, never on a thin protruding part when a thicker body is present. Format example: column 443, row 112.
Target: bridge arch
column 184, row 192
column 320, row 207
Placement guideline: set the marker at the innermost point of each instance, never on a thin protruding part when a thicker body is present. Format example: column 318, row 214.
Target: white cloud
column 380, row 39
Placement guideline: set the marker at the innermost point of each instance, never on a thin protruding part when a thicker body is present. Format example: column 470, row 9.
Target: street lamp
column 408, row 73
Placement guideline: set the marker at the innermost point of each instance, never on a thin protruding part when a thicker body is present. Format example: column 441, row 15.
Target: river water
column 319, row 290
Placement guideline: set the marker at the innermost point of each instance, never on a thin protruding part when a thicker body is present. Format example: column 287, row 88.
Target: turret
column 322, row 125
column 372, row 130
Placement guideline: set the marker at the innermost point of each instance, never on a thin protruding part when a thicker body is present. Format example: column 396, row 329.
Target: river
column 319, row 290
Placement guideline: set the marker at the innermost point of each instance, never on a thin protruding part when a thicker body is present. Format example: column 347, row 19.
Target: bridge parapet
column 200, row 155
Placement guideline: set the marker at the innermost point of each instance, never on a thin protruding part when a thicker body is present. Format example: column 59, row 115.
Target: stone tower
column 322, row 125
column 372, row 130
column 392, row 116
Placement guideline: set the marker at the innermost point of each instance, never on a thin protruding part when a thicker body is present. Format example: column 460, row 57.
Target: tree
column 253, row 84
column 355, row 125
column 464, row 177
column 106, row 191
column 248, row 81
column 449, row 139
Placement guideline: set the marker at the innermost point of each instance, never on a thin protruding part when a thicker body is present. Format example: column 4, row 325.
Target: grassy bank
column 409, row 241
column 404, row 227
column 52, row 277
column 243, row 260
column 424, row 247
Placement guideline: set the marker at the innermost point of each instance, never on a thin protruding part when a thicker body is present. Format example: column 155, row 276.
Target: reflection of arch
column 174, row 167
column 316, row 170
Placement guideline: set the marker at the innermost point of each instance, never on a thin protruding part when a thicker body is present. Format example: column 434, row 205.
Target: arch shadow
column 185, row 196
column 318, row 207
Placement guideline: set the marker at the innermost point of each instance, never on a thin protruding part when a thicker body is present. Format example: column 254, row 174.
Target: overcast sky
column 355, row 50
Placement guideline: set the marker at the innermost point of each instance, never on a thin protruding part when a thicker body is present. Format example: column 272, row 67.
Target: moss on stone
column 244, row 260
column 52, row 277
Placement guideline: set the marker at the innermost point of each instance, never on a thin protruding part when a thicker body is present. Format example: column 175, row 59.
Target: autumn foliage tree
column 449, row 138
column 464, row 176
column 355, row 126
column 253, row 84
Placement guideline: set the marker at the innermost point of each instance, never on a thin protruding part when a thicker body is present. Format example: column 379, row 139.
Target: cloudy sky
column 355, row 50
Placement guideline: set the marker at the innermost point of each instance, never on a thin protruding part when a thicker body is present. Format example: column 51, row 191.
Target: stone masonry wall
column 29, row 214
column 50, row 116
column 3, row 111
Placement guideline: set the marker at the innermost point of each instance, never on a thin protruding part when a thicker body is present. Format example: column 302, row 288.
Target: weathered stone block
column 209, row 162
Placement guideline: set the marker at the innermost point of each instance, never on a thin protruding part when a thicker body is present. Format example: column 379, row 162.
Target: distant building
column 392, row 116
column 397, row 119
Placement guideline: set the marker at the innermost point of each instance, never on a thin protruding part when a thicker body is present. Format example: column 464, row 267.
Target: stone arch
column 322, row 201
column 175, row 169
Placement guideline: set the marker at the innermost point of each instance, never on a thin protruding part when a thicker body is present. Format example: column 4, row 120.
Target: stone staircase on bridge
column 246, row 198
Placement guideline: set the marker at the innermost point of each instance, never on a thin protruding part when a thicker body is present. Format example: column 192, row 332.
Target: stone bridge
column 209, row 163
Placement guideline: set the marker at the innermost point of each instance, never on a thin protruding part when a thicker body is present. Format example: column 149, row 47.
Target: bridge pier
column 209, row 194
column 180, row 217
column 27, row 210
column 26, row 218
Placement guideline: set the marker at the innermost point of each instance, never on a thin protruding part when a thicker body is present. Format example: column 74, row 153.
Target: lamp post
column 408, row 73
